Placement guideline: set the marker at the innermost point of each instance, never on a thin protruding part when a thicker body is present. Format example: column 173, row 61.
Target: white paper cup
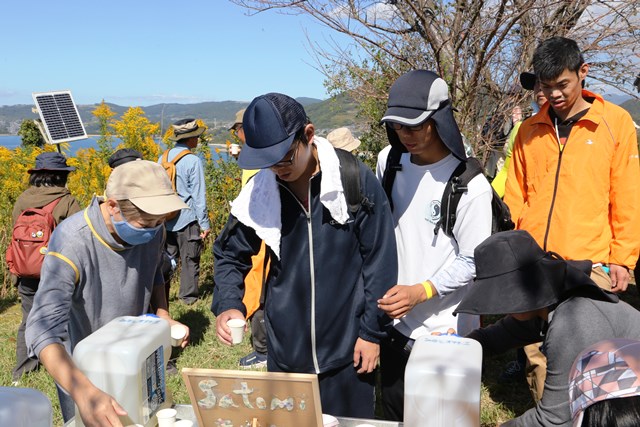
column 183, row 423
column 178, row 332
column 329, row 421
column 237, row 330
column 235, row 149
column 166, row 417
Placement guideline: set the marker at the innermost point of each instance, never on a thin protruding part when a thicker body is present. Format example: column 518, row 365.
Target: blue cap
column 270, row 124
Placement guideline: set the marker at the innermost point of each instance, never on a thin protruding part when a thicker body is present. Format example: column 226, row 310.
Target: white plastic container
column 127, row 359
column 442, row 382
column 24, row 407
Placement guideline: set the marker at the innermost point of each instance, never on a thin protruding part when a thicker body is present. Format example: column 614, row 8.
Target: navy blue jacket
column 321, row 295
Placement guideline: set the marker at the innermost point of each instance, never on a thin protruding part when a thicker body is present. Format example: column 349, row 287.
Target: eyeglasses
column 289, row 162
column 398, row 126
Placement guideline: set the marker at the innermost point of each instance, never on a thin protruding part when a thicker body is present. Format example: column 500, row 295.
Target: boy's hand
column 400, row 299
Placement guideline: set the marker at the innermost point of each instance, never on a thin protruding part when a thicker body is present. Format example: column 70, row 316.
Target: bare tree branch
column 479, row 47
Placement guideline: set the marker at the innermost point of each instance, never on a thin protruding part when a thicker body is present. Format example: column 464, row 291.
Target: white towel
column 258, row 204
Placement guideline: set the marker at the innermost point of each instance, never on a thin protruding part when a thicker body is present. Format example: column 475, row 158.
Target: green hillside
column 330, row 113
column 633, row 107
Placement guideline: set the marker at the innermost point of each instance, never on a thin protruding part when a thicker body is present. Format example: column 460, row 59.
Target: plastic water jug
column 127, row 359
column 24, row 407
column 442, row 382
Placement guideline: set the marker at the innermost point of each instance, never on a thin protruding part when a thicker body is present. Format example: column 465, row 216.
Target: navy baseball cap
column 270, row 124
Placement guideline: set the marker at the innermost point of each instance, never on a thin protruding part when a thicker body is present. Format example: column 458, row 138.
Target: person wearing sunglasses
column 434, row 268
column 329, row 264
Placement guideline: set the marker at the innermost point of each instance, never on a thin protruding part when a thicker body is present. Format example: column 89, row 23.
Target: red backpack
column 30, row 238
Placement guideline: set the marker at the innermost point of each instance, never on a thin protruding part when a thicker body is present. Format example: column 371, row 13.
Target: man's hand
column 224, row 333
column 619, row 277
column 400, row 299
column 185, row 342
column 163, row 313
column 450, row 331
column 366, row 355
column 204, row 234
column 98, row 409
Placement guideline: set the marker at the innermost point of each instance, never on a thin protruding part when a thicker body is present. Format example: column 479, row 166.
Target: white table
column 185, row 412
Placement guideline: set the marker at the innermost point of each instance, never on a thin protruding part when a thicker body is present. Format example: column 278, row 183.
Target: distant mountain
column 331, row 113
column 633, row 107
column 618, row 99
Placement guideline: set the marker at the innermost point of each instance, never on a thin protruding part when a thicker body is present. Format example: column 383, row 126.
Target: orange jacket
column 582, row 202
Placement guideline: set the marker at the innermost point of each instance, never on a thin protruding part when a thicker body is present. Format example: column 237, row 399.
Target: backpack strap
column 176, row 159
column 392, row 167
column 49, row 207
column 453, row 191
column 350, row 177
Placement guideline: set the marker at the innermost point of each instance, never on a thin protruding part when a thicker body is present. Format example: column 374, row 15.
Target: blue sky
column 142, row 52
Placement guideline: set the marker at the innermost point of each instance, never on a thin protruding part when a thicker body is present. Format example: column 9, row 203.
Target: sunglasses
column 398, row 126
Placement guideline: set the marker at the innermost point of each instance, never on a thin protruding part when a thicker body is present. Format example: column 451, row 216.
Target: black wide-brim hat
column 514, row 275
column 51, row 161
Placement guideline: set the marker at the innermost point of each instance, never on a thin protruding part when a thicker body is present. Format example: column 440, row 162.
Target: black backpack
column 350, row 177
column 453, row 191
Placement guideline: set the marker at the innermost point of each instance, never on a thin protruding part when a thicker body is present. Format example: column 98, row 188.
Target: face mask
column 134, row 235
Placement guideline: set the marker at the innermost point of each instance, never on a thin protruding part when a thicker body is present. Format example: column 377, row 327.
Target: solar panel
column 60, row 116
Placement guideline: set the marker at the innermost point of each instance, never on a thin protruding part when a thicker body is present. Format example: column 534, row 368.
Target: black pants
column 186, row 245
column 259, row 331
column 394, row 355
column 67, row 405
column 27, row 289
column 344, row 393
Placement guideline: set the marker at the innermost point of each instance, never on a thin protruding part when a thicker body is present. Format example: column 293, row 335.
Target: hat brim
column 263, row 158
column 351, row 145
column 445, row 123
column 159, row 205
column 527, row 80
column 406, row 116
column 191, row 134
column 65, row 169
column 538, row 285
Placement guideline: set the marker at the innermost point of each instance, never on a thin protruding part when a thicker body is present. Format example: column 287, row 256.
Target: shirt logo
column 433, row 212
column 589, row 142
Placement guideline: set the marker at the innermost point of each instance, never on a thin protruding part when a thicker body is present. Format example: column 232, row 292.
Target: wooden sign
column 225, row 398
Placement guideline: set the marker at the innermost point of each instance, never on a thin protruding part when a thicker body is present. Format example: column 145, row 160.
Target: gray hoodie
column 88, row 279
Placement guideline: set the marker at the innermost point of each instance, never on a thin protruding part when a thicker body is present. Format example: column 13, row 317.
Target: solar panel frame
column 60, row 116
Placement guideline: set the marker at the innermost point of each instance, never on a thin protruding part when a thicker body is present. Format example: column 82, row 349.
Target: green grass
column 499, row 402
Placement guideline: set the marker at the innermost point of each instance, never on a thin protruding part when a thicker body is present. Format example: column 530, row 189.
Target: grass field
column 499, row 403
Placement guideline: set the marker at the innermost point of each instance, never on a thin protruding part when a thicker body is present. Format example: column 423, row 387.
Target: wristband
column 427, row 288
